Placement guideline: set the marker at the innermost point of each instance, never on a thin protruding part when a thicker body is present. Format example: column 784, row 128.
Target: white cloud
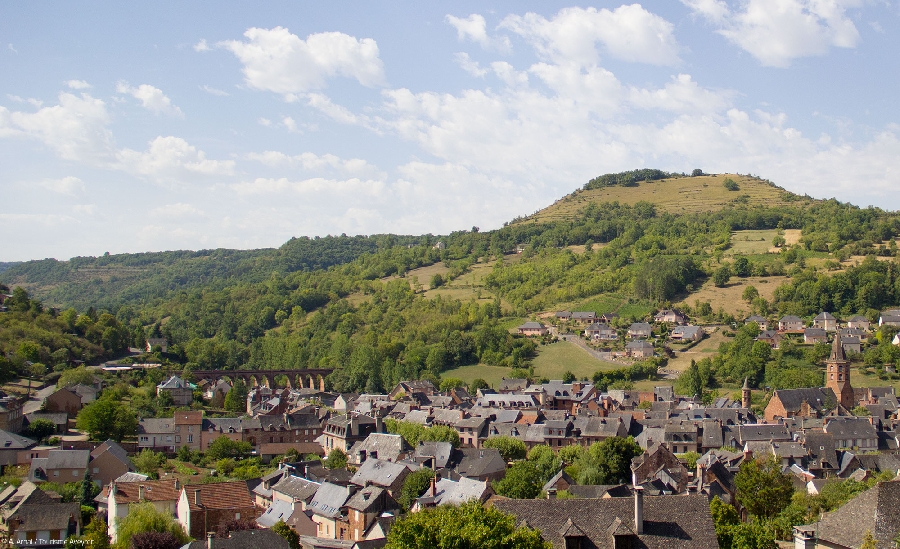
column 776, row 32
column 312, row 162
column 31, row 101
column 76, row 128
column 337, row 113
column 67, row 185
column 629, row 33
column 356, row 188
column 151, row 98
column 468, row 65
column 214, row 91
column 474, row 28
column 264, row 122
column 179, row 210
column 276, row 60
column 78, row 84
column 201, row 45
column 290, row 124
column 172, row 157
column 11, row 48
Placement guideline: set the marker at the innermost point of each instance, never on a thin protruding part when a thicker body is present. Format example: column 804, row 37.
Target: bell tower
column 837, row 375
column 745, row 394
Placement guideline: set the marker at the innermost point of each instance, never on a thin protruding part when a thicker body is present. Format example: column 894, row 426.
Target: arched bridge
column 308, row 378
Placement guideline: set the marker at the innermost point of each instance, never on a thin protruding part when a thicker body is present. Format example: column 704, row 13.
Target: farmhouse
column 532, row 329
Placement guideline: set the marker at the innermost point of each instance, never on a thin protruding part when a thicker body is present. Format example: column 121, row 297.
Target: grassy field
column 729, row 297
column 679, row 195
column 492, row 374
column 602, row 304
column 557, row 358
column 706, row 348
column 751, row 242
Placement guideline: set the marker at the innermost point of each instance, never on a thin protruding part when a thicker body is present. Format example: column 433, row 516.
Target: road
column 37, row 398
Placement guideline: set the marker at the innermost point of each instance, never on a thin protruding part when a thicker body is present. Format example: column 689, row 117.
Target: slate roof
column 329, row 499
column 46, row 516
column 379, row 472
column 818, row 398
column 296, row 487
column 440, row 452
column 669, row 522
column 174, row 382
column 876, row 510
column 12, row 441
column 477, row 462
column 594, row 491
column 851, row 428
column 278, row 510
column 455, row 492
column 532, row 326
column 67, row 459
column 764, row 432
column 370, row 499
column 386, row 446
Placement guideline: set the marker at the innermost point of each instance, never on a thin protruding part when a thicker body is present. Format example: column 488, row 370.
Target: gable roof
column 221, row 495
column 876, row 510
column 154, row 490
column 12, row 441
column 329, row 499
column 378, row 472
column 669, row 522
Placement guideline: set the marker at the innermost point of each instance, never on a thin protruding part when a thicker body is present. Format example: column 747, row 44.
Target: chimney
column 379, row 423
column 177, row 485
column 113, row 488
column 209, row 538
column 197, row 497
column 551, row 493
column 701, row 475
column 433, row 485
column 141, row 492
column 639, row 510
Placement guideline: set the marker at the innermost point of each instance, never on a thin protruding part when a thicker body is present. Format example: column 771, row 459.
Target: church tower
column 745, row 394
column 837, row 375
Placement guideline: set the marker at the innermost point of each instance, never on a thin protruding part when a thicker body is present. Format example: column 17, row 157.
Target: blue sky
column 128, row 128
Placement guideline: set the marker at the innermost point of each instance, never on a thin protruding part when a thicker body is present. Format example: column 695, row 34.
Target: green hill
column 674, row 195
column 359, row 306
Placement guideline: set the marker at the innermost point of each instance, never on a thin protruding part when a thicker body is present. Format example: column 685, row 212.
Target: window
column 237, row 516
column 190, row 438
column 74, row 473
column 96, row 470
column 55, row 473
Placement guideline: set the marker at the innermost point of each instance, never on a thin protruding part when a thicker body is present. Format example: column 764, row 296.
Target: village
column 339, row 469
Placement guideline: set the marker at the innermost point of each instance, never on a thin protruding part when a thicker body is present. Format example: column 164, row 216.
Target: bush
column 730, row 184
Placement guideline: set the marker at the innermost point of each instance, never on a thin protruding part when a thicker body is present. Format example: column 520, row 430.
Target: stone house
column 181, row 391
column 825, row 321
column 63, row 400
column 790, row 323
column 108, row 462
column 60, row 466
column 120, row 496
column 204, row 508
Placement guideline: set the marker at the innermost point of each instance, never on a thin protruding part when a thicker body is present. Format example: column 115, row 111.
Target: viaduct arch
column 297, row 379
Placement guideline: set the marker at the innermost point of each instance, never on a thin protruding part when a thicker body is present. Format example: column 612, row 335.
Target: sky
column 194, row 125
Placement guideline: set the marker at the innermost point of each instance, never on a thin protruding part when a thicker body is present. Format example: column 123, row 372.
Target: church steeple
column 745, row 394
column 837, row 374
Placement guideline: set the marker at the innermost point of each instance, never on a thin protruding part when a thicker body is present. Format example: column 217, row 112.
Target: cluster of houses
column 812, row 432
column 598, row 328
column 852, row 333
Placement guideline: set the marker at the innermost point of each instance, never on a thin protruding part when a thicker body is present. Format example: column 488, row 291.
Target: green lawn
column 555, row 359
column 491, row 374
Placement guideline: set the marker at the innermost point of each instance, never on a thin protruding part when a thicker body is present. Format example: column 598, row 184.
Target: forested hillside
column 354, row 303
